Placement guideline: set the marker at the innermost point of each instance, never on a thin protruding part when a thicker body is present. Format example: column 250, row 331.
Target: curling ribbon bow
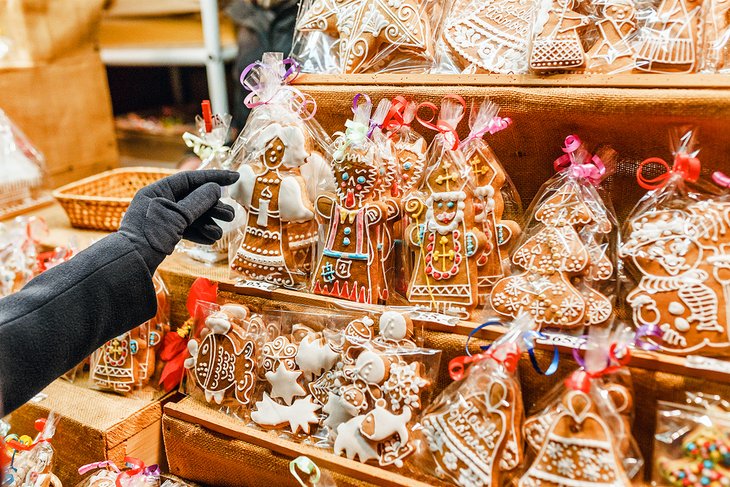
column 301, row 102
column 580, row 380
column 395, row 119
column 83, row 470
column 642, row 333
column 355, row 132
column 593, row 169
column 508, row 354
column 495, row 124
column 721, row 179
column 306, row 465
column 175, row 345
column 685, row 165
column 137, row 467
column 204, row 147
column 25, row 442
column 443, row 127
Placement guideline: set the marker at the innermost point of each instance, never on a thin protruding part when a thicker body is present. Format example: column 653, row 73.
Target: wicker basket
column 99, row 202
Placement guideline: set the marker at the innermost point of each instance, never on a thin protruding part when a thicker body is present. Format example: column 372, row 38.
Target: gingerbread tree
column 558, row 264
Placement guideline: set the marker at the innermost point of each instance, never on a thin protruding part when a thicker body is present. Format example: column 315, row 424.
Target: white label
column 432, row 317
column 561, row 340
column 707, row 363
column 258, row 285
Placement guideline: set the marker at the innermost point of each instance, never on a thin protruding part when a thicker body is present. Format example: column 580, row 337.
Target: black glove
column 179, row 206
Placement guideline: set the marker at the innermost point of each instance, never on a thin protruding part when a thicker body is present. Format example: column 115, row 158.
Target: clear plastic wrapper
column 133, row 474
column 486, row 37
column 129, row 362
column 19, row 252
column 364, row 36
column 31, row 459
column 581, row 432
column 496, row 201
column 615, row 32
column 715, row 37
column 442, row 231
column 676, row 249
column 557, row 43
column 280, row 155
column 564, row 265
column 669, row 36
column 471, row 434
column 692, row 443
column 22, row 169
column 353, row 217
column 224, row 349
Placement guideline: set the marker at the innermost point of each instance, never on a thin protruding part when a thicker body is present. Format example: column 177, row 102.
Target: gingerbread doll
column 280, row 222
column 612, row 52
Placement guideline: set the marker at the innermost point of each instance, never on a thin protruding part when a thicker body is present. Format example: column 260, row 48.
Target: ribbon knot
column 581, row 379
column 685, row 165
column 206, row 147
column 396, row 117
column 443, row 127
column 586, row 167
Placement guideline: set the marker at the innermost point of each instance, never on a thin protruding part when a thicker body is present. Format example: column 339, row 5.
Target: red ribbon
column 395, row 119
column 721, row 179
column 204, row 290
column 507, row 355
column 686, row 166
column 441, row 126
column 136, row 466
column 580, row 380
column 593, row 170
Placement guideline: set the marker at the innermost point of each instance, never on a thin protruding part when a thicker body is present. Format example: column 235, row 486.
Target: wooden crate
column 95, row 426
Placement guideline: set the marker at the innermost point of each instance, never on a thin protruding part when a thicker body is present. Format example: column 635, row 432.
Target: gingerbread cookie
column 612, row 52
column 576, row 449
column 703, row 461
column 557, row 44
column 681, row 259
column 369, row 32
column 299, row 416
column 280, row 216
column 222, row 361
column 410, row 149
column 351, row 265
column 445, row 235
column 669, row 40
column 715, row 28
column 493, row 37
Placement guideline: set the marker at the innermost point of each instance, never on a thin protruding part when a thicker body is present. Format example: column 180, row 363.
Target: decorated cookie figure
column 442, row 229
column 222, row 361
column 491, row 36
column 705, row 459
column 715, row 25
column 369, row 32
column 350, row 266
column 273, row 193
column 557, row 44
column 489, row 177
column 612, row 52
column 577, row 449
column 669, row 40
column 410, row 146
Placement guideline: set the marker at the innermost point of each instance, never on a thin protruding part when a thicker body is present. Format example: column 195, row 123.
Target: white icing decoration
column 291, row 207
column 242, row 190
column 284, row 383
column 380, row 424
column 370, row 367
column 315, row 355
column 299, row 415
column 393, row 326
column 350, row 442
column 337, row 412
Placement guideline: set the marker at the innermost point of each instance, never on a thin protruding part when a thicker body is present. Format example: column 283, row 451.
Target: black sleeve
column 67, row 312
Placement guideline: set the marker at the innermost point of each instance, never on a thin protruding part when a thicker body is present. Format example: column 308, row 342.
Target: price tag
column 434, row 318
column 560, row 340
column 257, row 285
column 707, row 363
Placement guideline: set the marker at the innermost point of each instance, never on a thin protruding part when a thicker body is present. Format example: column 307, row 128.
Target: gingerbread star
column 284, row 383
column 368, row 29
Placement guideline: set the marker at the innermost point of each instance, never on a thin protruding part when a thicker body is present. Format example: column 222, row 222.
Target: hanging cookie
column 612, row 52
column 668, row 41
column 556, row 44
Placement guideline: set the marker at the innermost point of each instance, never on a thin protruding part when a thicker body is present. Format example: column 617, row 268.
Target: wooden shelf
column 709, row 81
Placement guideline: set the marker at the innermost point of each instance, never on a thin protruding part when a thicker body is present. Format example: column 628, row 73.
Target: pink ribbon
column 97, row 465
column 721, row 179
column 593, row 170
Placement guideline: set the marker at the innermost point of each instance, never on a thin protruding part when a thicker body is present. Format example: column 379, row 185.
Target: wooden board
column 192, row 412
column 709, row 81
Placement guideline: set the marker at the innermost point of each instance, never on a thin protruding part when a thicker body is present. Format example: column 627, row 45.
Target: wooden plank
column 188, row 410
column 649, row 81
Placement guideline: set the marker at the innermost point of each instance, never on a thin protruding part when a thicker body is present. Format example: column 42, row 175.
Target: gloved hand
column 179, row 206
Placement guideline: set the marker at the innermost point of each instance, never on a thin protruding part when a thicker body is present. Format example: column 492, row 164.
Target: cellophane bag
column 564, row 266
column 497, row 205
column 367, row 36
column 32, row 459
column 675, row 250
column 19, row 252
column 471, row 434
column 127, row 364
column 133, row 474
column 715, row 51
column 580, row 432
column 442, row 233
column 410, row 152
column 486, row 37
column 209, row 144
column 280, row 155
column 670, row 36
column 225, row 346
column 22, row 170
column 692, row 442
column 353, row 217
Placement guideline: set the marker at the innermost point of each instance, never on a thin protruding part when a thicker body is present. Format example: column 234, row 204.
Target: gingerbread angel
column 351, row 265
column 668, row 42
column 280, row 215
column 557, row 44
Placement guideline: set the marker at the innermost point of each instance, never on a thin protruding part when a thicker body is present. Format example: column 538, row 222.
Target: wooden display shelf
column 190, row 411
column 628, row 80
